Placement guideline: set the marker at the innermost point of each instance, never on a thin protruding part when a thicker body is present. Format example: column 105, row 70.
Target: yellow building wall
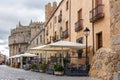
column 71, row 15
column 102, row 25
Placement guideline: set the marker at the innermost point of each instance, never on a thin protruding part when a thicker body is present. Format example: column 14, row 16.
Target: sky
column 13, row 11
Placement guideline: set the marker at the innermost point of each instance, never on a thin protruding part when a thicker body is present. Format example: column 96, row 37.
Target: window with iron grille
column 80, row 40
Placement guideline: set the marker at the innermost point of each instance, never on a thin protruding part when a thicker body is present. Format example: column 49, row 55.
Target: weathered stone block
column 104, row 64
column 116, row 76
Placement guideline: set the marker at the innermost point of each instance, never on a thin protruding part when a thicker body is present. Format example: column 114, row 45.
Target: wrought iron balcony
column 65, row 34
column 96, row 13
column 60, row 18
column 55, row 38
column 79, row 25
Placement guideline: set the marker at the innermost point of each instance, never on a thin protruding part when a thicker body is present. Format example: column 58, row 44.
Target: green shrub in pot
column 58, row 70
column 42, row 67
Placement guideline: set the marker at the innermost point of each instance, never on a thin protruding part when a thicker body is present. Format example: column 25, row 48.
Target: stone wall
column 104, row 64
column 115, row 24
column 116, row 76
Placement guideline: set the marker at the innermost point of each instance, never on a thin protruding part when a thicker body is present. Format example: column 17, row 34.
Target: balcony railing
column 65, row 34
column 60, row 18
column 55, row 38
column 79, row 25
column 96, row 13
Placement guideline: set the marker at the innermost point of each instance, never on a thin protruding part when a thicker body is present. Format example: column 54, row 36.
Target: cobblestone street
column 8, row 73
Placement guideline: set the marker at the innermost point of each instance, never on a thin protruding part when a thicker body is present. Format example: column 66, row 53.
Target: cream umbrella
column 67, row 44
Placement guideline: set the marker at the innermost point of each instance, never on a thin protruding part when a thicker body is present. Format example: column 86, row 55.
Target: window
column 61, row 32
column 60, row 16
column 99, row 40
column 80, row 14
column 55, row 33
column 67, row 5
column 50, row 25
column 60, row 11
column 80, row 40
column 47, row 40
column 19, row 49
column 55, row 20
column 41, row 38
column 98, row 2
column 50, row 38
column 66, row 25
column 37, row 41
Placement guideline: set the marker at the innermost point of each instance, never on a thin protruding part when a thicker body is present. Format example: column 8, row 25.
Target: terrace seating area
column 76, row 70
column 50, row 69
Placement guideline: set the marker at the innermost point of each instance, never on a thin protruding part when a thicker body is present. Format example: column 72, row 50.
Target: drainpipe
column 93, row 25
column 70, row 21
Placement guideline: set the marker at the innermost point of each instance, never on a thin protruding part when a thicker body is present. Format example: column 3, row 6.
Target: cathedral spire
column 20, row 24
column 31, row 21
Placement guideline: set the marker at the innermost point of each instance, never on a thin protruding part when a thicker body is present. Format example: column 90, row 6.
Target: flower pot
column 59, row 73
column 41, row 71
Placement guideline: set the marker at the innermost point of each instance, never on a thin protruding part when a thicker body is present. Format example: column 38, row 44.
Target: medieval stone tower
column 49, row 9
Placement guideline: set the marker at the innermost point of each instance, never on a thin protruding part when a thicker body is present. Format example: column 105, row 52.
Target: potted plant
column 42, row 67
column 32, row 66
column 58, row 70
column 16, row 65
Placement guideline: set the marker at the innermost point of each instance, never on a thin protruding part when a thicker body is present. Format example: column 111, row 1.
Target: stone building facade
column 18, row 39
column 23, row 38
column 2, row 58
column 71, row 17
column 37, row 34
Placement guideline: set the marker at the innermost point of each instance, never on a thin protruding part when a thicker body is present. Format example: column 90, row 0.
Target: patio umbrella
column 27, row 55
column 15, row 56
column 67, row 44
column 47, row 48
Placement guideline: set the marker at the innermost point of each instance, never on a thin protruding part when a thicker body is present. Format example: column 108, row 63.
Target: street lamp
column 86, row 33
